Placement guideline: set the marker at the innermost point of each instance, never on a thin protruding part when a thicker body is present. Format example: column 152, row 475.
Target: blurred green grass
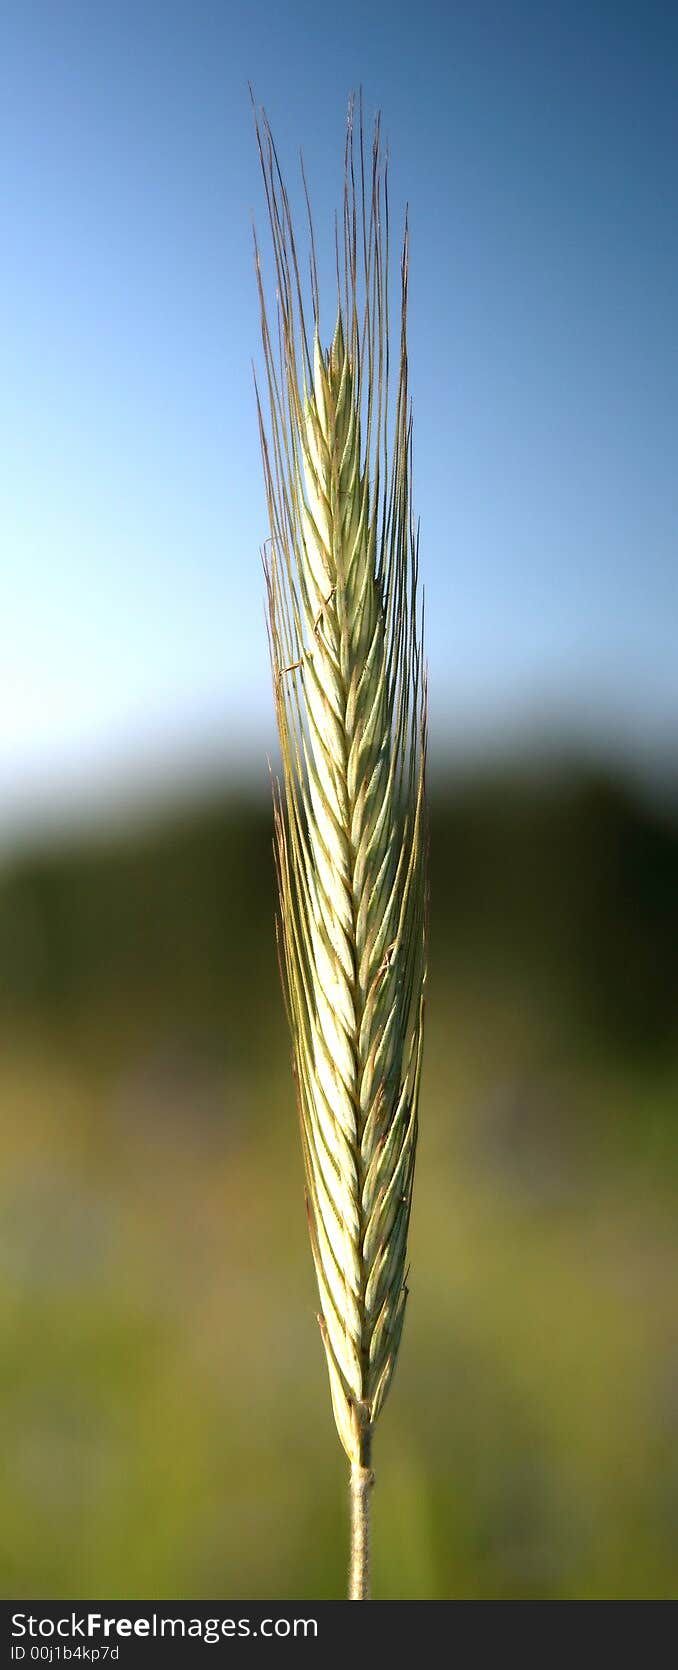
column 164, row 1400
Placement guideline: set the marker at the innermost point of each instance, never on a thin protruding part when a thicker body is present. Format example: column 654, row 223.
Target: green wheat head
column 349, row 684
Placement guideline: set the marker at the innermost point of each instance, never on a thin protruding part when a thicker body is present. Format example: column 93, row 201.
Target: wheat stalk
column 350, row 843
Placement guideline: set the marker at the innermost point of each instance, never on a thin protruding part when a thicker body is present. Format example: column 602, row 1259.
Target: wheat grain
column 349, row 684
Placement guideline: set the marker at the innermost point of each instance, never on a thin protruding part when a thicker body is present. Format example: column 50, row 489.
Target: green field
column 166, row 1417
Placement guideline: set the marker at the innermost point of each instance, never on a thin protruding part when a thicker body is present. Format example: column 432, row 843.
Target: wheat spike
column 349, row 685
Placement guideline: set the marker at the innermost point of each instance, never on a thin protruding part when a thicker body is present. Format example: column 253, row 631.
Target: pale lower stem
column 362, row 1480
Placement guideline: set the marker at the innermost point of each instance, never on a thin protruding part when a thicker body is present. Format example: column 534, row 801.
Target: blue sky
column 538, row 148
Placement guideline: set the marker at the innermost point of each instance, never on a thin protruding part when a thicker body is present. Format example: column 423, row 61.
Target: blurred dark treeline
column 563, row 887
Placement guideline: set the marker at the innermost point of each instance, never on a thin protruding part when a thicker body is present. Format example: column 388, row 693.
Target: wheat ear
column 350, row 842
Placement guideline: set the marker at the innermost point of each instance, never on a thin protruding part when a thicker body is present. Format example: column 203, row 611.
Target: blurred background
column 166, row 1417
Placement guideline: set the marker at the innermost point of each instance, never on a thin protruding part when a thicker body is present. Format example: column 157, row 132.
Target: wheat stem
column 360, row 1497
column 350, row 697
column 359, row 1567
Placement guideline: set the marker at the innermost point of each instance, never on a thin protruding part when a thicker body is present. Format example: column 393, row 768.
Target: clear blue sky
column 538, row 147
